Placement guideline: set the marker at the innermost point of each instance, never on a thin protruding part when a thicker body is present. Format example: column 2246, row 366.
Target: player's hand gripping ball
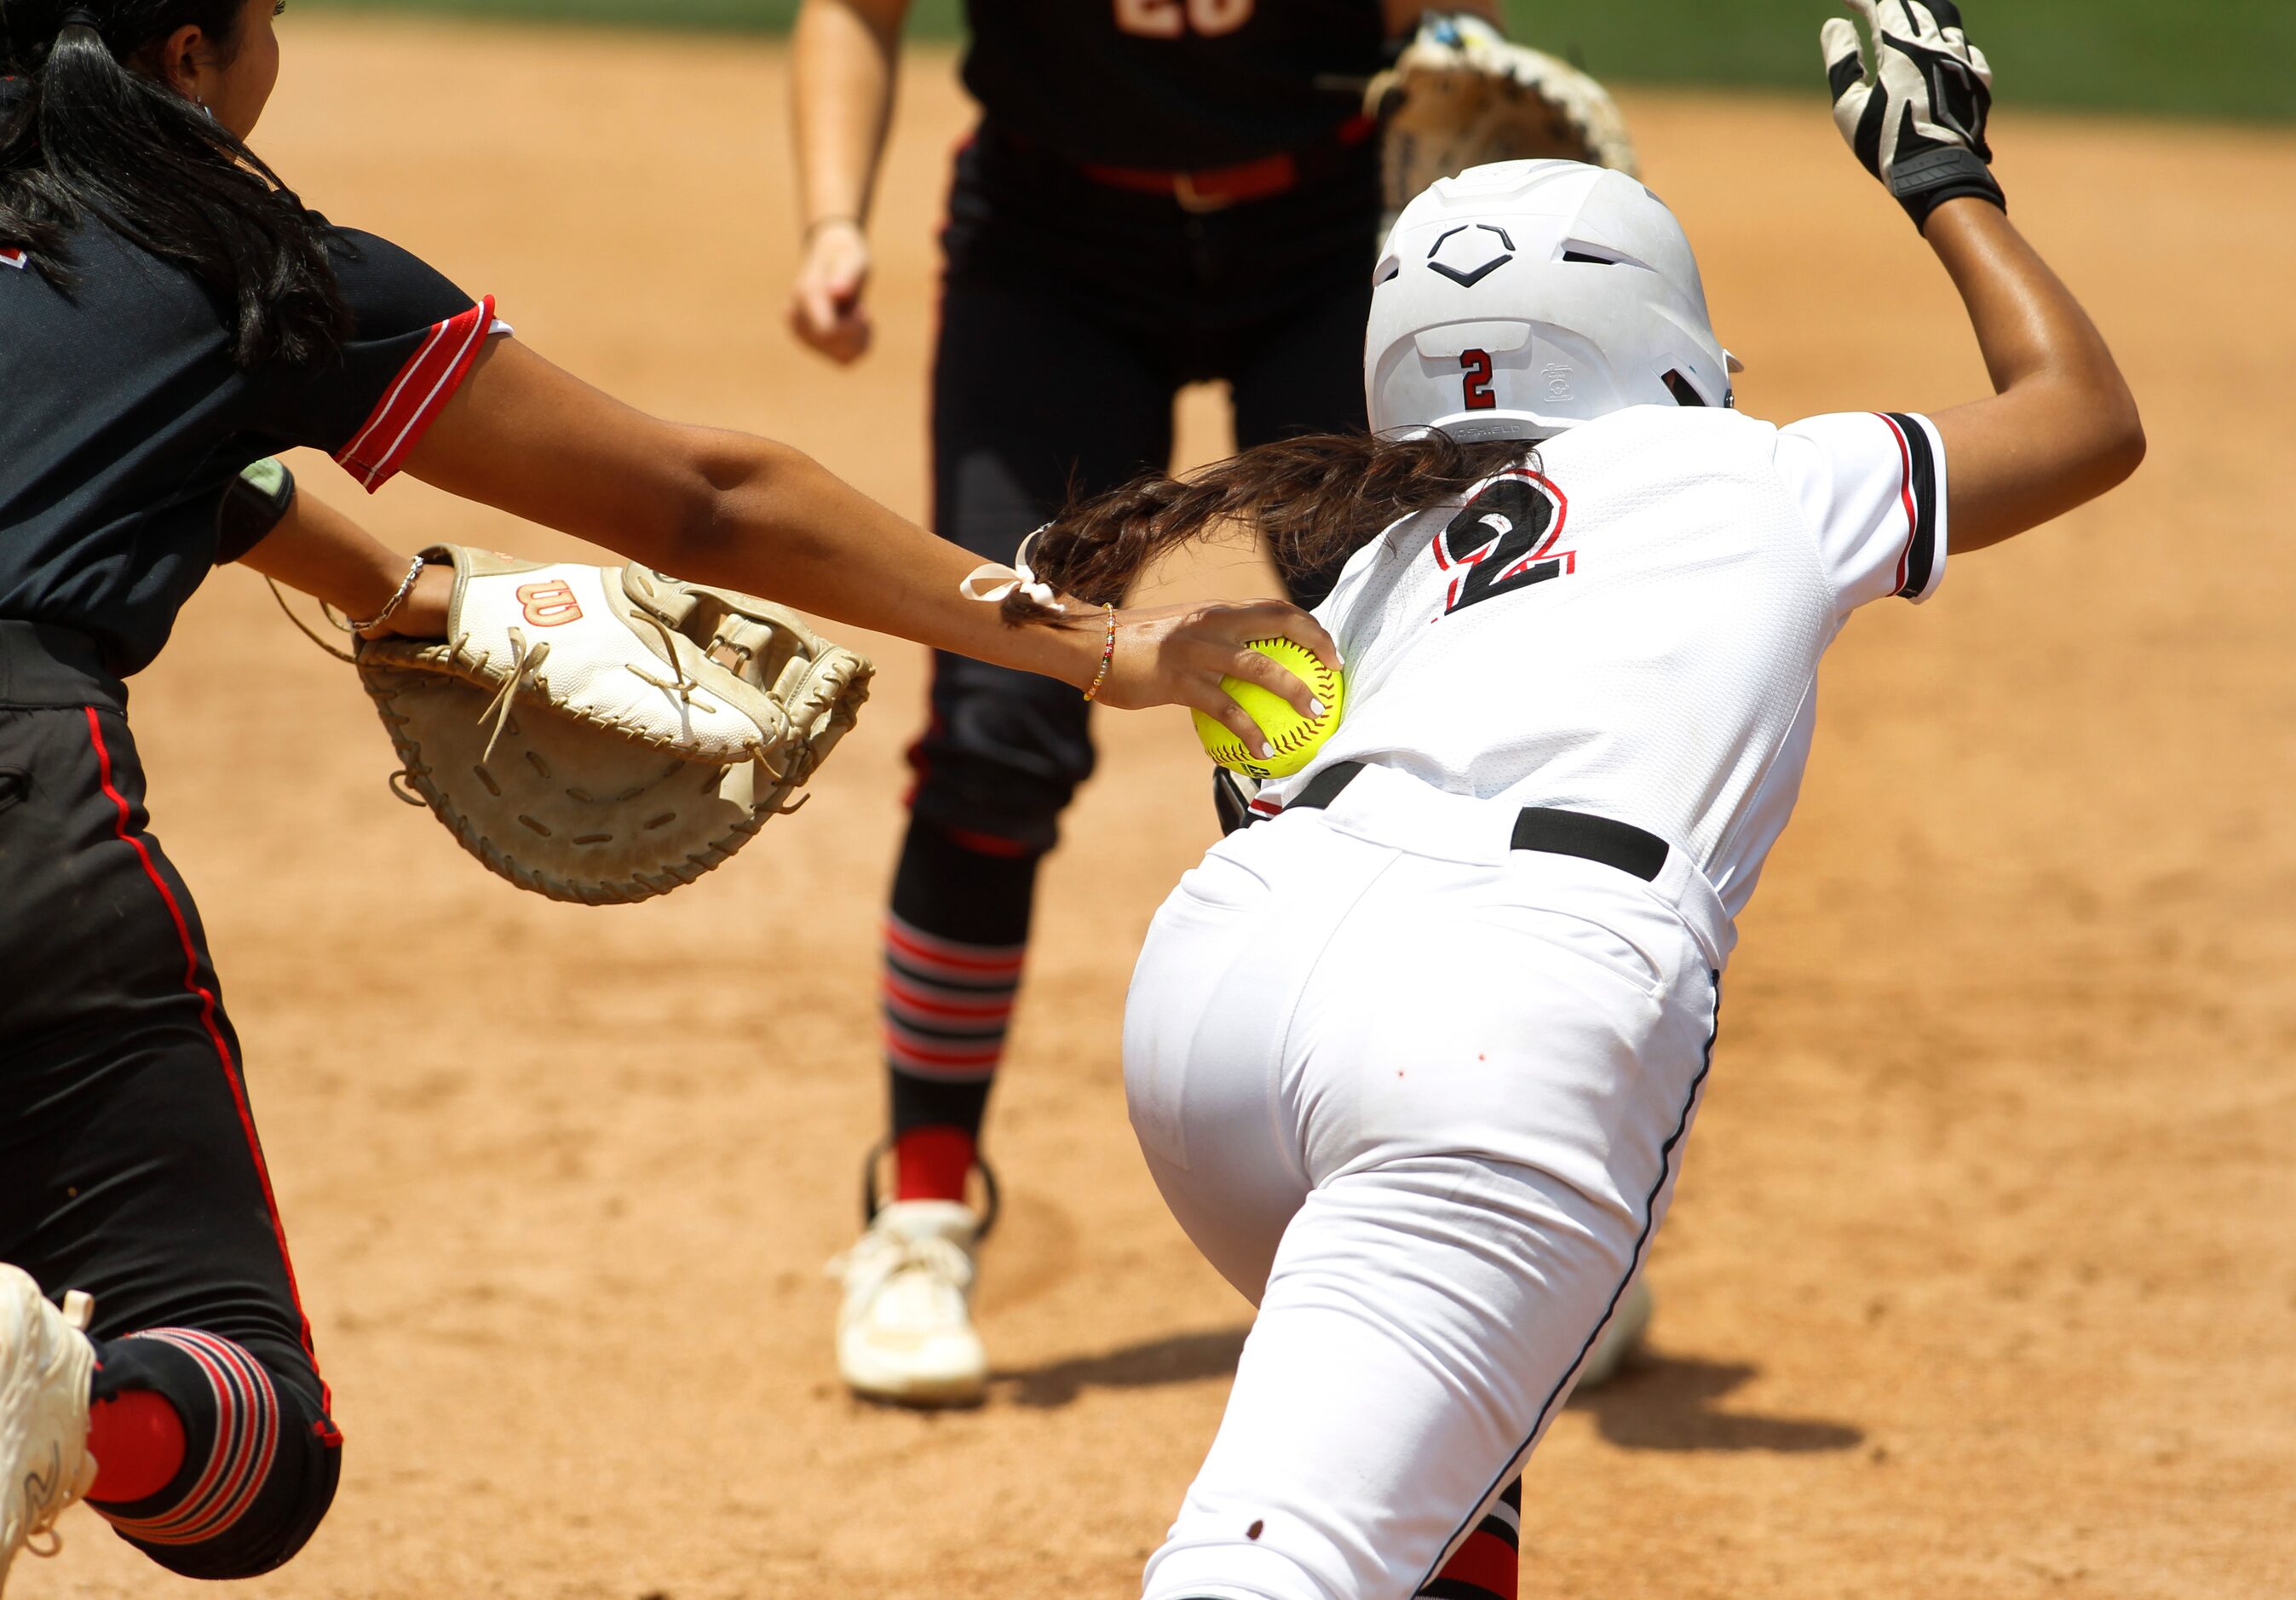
column 1293, row 738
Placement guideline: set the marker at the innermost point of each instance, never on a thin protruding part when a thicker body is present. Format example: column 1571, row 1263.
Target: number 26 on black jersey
column 1503, row 540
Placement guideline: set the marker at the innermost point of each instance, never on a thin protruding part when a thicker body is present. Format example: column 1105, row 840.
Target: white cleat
column 904, row 1332
column 1622, row 1336
column 46, row 1365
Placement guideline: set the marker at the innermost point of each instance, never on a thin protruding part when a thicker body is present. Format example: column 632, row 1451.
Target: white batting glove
column 1917, row 123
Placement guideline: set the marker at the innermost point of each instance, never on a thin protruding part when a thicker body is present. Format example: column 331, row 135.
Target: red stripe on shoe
column 191, row 985
column 415, row 399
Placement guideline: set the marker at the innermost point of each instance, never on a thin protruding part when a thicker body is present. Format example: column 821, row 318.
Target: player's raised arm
column 728, row 508
column 844, row 57
column 2061, row 427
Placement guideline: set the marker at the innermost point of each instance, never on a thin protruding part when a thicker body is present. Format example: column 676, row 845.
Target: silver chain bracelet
column 405, row 587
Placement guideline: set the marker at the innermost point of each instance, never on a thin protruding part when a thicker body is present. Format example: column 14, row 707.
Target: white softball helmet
column 1518, row 299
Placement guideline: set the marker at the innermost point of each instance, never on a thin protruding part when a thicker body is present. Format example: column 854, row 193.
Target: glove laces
column 523, row 659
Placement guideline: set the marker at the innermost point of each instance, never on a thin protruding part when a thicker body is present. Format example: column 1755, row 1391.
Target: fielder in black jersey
column 130, row 1165
column 1159, row 193
column 171, row 316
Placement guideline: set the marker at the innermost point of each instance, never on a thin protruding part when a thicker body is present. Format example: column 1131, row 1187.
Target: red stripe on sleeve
column 1905, row 494
column 14, row 258
column 418, row 394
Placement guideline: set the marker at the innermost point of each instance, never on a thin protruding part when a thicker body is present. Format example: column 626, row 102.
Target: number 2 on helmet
column 1477, row 384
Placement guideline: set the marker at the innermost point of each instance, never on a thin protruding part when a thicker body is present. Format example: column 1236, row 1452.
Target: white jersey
column 1629, row 624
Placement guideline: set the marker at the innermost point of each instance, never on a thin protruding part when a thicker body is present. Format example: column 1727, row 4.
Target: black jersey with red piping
column 123, row 420
column 1172, row 85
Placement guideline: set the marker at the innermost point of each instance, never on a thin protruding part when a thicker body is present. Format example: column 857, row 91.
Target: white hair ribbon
column 992, row 582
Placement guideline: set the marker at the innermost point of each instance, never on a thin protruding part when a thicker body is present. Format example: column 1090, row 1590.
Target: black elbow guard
column 256, row 502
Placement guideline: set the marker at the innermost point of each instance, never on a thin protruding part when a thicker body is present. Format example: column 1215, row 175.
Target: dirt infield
column 1983, row 1278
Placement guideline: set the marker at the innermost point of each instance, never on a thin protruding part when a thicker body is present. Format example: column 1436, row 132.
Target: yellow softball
column 1293, row 738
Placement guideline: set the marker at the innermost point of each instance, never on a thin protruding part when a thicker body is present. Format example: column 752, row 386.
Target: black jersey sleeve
column 414, row 337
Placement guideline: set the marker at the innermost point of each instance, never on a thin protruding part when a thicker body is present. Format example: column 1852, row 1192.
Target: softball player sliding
column 1414, row 1061
column 168, row 315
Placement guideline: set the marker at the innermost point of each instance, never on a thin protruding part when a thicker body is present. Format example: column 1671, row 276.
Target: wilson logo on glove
column 550, row 604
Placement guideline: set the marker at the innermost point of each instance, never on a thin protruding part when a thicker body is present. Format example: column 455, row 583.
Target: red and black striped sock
column 224, row 1438
column 1487, row 1565
column 955, row 940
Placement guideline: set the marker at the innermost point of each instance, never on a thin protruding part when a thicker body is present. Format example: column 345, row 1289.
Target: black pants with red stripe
column 128, row 1160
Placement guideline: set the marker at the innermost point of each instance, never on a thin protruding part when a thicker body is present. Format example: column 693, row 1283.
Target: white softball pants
column 1422, row 1099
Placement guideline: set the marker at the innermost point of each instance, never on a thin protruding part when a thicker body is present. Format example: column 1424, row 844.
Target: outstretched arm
column 728, row 508
column 2061, row 427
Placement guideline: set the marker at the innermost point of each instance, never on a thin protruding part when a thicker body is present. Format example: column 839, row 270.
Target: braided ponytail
column 1313, row 499
column 90, row 137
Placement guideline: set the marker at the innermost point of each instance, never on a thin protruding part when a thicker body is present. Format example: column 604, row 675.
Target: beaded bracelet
column 1107, row 655
column 405, row 587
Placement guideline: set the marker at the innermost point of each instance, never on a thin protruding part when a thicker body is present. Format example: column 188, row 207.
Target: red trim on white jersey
column 14, row 258
column 421, row 390
column 1906, row 494
column 1545, row 550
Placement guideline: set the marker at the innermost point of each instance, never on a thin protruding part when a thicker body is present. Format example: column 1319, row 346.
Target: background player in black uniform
column 1160, row 192
column 169, row 317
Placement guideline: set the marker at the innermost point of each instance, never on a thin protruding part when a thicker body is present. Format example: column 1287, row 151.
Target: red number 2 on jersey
column 1477, row 384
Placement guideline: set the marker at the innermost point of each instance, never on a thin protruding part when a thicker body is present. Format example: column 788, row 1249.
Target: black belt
column 1600, row 839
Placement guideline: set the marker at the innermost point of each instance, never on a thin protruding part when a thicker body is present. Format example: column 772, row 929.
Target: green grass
column 2233, row 59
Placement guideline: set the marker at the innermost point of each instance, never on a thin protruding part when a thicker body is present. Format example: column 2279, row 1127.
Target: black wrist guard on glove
column 1924, row 182
column 1918, row 124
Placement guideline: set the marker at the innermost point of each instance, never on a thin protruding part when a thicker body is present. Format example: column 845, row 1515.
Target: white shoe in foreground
column 904, row 1332
column 46, row 1366
column 1621, row 1339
